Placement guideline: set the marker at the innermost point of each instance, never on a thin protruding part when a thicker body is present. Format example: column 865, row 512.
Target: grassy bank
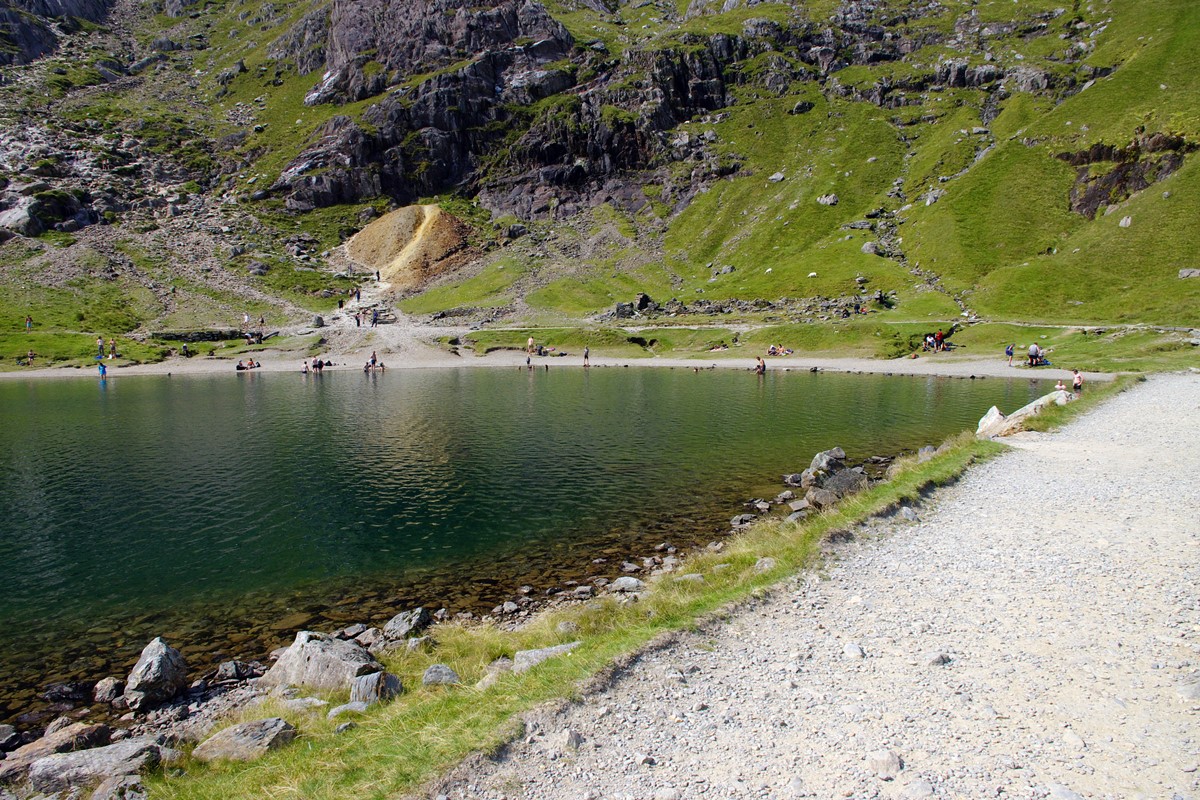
column 1121, row 349
column 1055, row 417
column 425, row 731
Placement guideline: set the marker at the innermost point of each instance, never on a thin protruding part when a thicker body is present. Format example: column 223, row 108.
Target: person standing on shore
column 1010, row 351
column 1077, row 382
column 586, row 353
column 99, row 347
column 112, row 348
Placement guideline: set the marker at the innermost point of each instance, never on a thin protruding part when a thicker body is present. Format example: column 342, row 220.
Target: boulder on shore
column 527, row 659
column 76, row 736
column 846, row 481
column 320, row 661
column 159, row 675
column 61, row 771
column 996, row 424
column 406, row 623
column 245, row 742
column 377, row 687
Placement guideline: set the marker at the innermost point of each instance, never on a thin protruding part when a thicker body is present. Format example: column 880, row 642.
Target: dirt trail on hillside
column 1035, row 634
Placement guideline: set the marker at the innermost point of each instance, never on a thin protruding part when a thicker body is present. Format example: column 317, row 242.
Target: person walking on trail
column 374, row 317
column 1077, row 382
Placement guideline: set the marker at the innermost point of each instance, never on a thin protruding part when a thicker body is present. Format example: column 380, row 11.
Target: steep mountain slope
column 1013, row 160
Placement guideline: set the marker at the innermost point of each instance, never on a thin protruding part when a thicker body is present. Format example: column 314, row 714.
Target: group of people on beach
column 1037, row 355
column 112, row 348
column 935, row 342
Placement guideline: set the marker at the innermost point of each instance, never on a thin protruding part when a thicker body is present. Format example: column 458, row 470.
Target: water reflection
column 208, row 506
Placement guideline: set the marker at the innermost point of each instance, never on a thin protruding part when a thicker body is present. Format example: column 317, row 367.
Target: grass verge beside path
column 1054, row 417
column 397, row 747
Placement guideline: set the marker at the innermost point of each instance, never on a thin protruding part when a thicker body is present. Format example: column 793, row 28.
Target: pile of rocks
column 826, row 481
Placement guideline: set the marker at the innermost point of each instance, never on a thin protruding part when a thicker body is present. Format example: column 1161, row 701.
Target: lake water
column 226, row 512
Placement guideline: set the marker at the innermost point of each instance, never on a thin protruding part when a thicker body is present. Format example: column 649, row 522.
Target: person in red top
column 939, row 339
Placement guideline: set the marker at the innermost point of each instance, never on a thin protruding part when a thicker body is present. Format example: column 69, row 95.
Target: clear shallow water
column 227, row 511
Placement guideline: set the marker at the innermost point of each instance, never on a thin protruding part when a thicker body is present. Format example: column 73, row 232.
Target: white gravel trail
column 1060, row 581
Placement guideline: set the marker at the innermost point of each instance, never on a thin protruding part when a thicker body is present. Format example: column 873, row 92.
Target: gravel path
column 1035, row 634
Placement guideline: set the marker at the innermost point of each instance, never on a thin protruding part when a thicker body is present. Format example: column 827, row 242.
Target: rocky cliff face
column 28, row 27
column 538, row 125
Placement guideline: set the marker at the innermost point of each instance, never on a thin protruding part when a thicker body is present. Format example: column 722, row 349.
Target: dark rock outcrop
column 1148, row 159
column 28, row 27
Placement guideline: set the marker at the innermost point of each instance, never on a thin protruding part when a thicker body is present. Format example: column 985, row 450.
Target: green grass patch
column 488, row 289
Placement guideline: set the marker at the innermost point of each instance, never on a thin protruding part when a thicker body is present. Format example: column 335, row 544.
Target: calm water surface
column 227, row 511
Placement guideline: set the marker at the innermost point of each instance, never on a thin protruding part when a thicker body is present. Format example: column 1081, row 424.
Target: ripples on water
column 204, row 503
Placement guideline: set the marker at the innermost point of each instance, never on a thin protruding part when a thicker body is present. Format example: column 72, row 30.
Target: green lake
column 226, row 512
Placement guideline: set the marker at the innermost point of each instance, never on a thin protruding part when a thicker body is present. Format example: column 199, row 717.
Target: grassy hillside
column 965, row 190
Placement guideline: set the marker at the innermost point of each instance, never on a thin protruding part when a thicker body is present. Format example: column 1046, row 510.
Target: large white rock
column 320, row 661
column 993, row 419
column 1015, row 421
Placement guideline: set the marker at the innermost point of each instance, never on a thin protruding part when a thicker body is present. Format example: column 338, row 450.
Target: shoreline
column 971, row 672
column 280, row 362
